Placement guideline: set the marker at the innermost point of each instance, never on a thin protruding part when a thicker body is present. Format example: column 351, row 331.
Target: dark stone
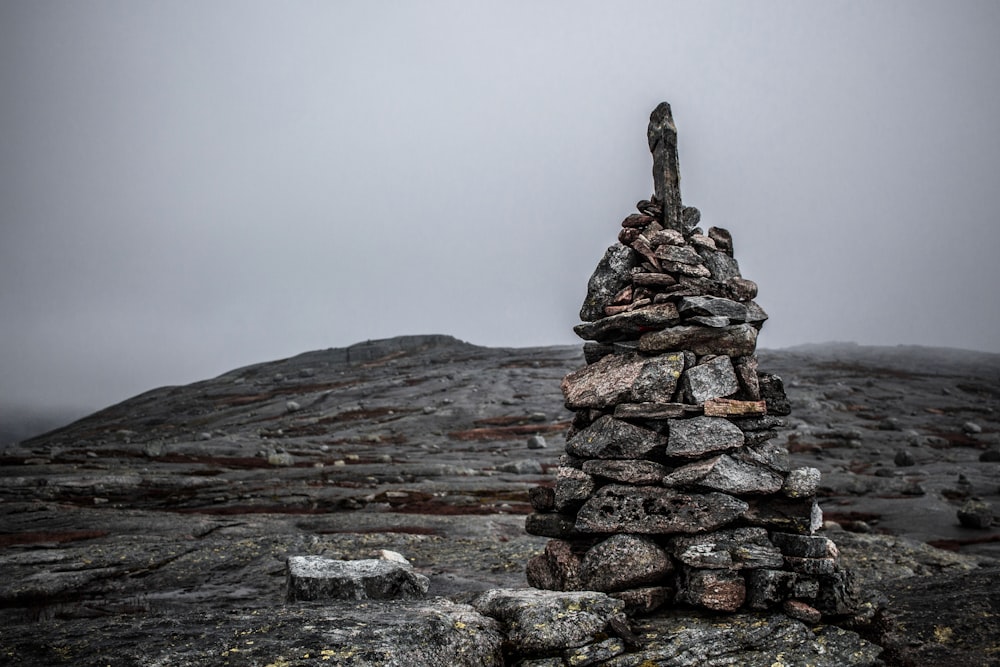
column 542, row 498
column 721, row 265
column 771, row 455
column 573, row 487
column 975, row 513
column 624, row 561
column 734, row 311
column 718, row 590
column 735, row 341
column 990, row 456
column 772, row 390
column 904, row 459
column 648, row 510
column 699, row 436
column 662, row 137
column 610, row 438
column 804, row 546
column 766, row 588
column 551, row 524
column 613, row 273
column 593, row 351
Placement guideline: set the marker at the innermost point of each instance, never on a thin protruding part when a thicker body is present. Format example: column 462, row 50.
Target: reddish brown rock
column 718, row 590
column 623, row 378
column 557, row 568
column 735, row 341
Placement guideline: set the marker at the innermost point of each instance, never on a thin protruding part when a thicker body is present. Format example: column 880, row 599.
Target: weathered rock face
column 319, row 578
column 674, row 482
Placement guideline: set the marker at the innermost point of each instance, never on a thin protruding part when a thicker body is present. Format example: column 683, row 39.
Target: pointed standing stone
column 662, row 136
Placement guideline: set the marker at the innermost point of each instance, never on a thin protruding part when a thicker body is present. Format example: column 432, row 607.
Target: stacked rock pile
column 672, row 489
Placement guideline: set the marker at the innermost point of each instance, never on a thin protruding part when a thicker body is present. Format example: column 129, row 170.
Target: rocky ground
column 156, row 531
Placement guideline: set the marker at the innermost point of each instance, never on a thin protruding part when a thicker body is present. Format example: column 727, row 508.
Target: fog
column 191, row 187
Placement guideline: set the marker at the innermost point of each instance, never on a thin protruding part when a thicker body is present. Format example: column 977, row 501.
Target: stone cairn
column 671, row 490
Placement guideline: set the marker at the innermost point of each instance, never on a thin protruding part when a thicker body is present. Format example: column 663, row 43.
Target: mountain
column 160, row 525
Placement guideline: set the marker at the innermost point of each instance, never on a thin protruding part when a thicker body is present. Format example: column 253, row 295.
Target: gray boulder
column 320, row 578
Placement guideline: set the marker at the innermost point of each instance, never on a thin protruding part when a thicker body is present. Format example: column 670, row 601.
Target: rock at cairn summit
column 672, row 491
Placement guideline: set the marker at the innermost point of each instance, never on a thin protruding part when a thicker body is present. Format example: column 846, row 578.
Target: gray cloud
column 185, row 189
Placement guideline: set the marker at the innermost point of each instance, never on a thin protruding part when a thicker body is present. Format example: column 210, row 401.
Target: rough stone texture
column 766, row 588
column 653, row 317
column 640, row 601
column 573, row 487
column 619, row 378
column 551, row 524
column 536, row 622
column 797, row 516
column 975, row 513
column 594, row 654
column 726, row 474
column 542, row 498
column 557, row 568
column 652, row 410
column 734, row 311
column 692, row 640
column 734, row 341
column 613, row 273
column 624, row 561
column 772, row 390
column 801, row 483
column 662, row 137
column 805, row 546
column 649, row 510
column 610, row 438
column 718, row 590
column 319, row 578
column 712, row 379
column 626, row 471
column 737, row 548
column 699, row 436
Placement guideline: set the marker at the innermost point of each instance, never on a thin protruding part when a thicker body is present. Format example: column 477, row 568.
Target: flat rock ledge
column 538, row 628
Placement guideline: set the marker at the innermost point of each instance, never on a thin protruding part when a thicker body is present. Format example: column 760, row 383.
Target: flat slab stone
column 648, row 510
column 718, row 590
column 623, row 378
column 698, row 436
column 653, row 410
column 727, row 407
column 537, row 621
column 726, row 474
column 629, row 323
column 712, row 306
column 610, row 438
column 626, row 471
column 734, row 341
column 320, row 578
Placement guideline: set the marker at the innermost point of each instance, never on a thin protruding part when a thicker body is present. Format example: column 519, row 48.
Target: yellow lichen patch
column 280, row 662
column 459, row 625
column 942, row 634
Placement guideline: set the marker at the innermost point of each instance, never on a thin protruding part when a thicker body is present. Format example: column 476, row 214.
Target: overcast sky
column 189, row 187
